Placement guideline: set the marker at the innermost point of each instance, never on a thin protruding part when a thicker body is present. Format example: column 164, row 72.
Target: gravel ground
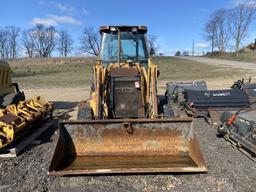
column 228, row 170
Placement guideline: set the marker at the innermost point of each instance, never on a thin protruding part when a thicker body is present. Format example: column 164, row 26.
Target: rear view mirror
column 152, row 52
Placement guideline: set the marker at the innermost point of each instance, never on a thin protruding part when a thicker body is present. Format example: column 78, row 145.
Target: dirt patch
column 223, row 62
column 63, row 94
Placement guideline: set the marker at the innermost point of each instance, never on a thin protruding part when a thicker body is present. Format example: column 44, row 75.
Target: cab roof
column 131, row 28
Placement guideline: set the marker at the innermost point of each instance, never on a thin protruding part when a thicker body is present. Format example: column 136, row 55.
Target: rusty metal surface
column 139, row 120
column 125, row 100
column 124, row 72
column 131, row 146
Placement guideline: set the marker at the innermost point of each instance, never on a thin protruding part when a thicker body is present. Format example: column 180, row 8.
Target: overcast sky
column 175, row 22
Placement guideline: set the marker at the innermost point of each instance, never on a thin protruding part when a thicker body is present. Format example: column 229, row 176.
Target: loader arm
column 96, row 95
column 153, row 89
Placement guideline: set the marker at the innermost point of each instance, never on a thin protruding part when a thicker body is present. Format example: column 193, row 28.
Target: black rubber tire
column 84, row 113
column 18, row 97
column 162, row 100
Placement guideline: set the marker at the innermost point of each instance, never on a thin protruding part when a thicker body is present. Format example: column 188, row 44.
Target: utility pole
column 254, row 47
column 193, row 48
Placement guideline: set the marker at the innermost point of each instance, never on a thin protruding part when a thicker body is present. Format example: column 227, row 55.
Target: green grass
column 52, row 72
column 73, row 72
column 176, row 69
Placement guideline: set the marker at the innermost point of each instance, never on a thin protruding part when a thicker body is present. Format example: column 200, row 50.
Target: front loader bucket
column 126, row 146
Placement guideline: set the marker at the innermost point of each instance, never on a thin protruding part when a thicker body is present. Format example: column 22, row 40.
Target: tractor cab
column 124, row 54
column 5, row 79
column 123, row 44
column 9, row 92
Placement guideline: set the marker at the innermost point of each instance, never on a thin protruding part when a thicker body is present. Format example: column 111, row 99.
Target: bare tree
column 90, row 41
column 152, row 44
column 65, row 43
column 45, row 40
column 209, row 32
column 39, row 41
column 28, row 42
column 12, row 35
column 220, row 18
column 217, row 30
column 241, row 18
column 4, row 48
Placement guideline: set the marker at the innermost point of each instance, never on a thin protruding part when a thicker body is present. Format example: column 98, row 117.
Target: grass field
column 75, row 72
column 175, row 69
column 52, row 72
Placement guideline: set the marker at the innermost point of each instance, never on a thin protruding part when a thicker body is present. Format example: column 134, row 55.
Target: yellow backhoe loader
column 121, row 128
column 18, row 115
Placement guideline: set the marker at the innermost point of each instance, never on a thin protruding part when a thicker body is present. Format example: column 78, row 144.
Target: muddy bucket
column 126, row 146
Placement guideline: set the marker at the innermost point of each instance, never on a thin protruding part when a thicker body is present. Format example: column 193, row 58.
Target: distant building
column 185, row 53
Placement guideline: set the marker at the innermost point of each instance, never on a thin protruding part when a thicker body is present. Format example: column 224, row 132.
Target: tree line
column 228, row 28
column 40, row 41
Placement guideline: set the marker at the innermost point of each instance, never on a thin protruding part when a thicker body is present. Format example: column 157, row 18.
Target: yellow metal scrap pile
column 15, row 119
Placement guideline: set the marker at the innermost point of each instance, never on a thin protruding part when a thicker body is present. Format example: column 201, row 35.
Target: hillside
column 246, row 54
column 75, row 72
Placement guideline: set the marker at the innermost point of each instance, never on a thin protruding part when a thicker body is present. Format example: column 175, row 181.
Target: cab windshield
column 132, row 46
